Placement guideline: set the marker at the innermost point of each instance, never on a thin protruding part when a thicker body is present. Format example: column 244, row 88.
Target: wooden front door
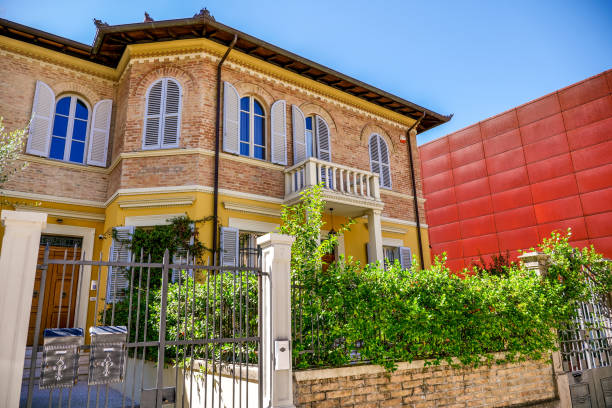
column 54, row 293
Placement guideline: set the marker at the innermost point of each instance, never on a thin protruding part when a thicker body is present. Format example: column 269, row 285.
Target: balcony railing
column 340, row 180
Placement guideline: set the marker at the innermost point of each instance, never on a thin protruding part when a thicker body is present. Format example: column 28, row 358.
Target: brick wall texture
column 196, row 74
column 505, row 183
column 509, row 385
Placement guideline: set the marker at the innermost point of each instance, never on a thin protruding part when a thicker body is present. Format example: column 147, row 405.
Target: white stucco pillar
column 375, row 247
column 276, row 320
column 17, row 273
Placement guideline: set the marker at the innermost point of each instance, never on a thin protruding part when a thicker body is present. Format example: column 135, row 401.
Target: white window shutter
column 230, row 246
column 172, row 113
column 118, row 279
column 405, row 257
column 299, row 134
column 323, row 139
column 180, row 256
column 384, row 163
column 231, row 119
column 99, row 134
column 43, row 109
column 153, row 117
column 278, row 120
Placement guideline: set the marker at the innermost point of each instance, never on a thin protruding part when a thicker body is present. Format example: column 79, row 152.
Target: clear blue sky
column 471, row 58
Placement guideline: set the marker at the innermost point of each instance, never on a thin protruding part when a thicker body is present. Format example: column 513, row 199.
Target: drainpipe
column 412, row 132
column 217, row 148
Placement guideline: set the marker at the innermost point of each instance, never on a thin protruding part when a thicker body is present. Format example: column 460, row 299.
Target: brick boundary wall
column 527, row 384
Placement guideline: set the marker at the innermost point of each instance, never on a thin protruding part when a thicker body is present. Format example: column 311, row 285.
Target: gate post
column 17, row 273
column 277, row 377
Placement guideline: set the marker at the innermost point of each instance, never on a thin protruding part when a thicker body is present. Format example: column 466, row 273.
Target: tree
column 11, row 145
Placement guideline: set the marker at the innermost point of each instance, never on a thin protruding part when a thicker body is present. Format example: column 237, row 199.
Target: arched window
column 162, row 115
column 252, row 128
column 379, row 159
column 69, row 132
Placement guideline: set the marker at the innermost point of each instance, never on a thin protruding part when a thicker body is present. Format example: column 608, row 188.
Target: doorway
column 59, row 296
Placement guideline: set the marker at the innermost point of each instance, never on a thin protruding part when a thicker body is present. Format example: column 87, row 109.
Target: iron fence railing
column 206, row 324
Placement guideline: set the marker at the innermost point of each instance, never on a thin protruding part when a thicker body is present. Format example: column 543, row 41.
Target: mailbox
column 107, row 354
column 60, row 363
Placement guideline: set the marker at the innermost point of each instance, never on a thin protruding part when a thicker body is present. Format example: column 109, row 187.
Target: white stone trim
column 150, row 220
column 400, row 195
column 392, row 242
column 253, row 209
column 88, row 236
column 402, row 222
column 158, row 202
column 54, row 212
column 244, row 224
column 51, row 198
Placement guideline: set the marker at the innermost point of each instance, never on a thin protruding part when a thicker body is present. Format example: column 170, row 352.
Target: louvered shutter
column 229, row 246
column 299, row 134
column 323, row 139
column 99, row 134
column 153, row 117
column 384, row 163
column 278, row 120
column 374, row 155
column 405, row 257
column 231, row 119
column 118, row 276
column 172, row 113
column 43, row 108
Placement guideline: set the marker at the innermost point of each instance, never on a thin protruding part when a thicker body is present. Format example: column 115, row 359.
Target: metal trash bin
column 107, row 354
column 60, row 364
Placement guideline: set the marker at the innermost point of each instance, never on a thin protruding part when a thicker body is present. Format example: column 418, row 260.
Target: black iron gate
column 165, row 334
column 586, row 352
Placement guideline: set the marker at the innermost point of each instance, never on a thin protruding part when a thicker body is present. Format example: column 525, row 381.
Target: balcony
column 350, row 190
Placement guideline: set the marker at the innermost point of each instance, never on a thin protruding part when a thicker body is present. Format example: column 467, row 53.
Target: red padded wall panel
column 467, row 155
column 453, row 250
column 599, row 225
column 484, row 244
column 591, row 134
column 436, row 165
column 523, row 238
column 469, row 172
column 508, row 180
column 553, row 189
column 577, row 225
column 603, row 245
column 595, row 178
column 593, row 156
column 477, row 226
column 550, row 168
column 556, row 210
column 597, row 202
column 501, row 143
column 472, row 189
column 438, row 182
column 583, row 92
column 475, row 208
column 505, row 161
column 443, row 215
column 545, row 148
column 499, row 124
column 433, row 149
column 445, row 233
column 440, row 199
column 588, row 113
column 542, row 129
column 516, row 218
column 516, row 197
column 464, row 137
column 538, row 109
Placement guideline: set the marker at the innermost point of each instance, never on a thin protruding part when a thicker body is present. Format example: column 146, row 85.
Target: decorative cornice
column 57, row 163
column 157, row 202
column 51, row 198
column 252, row 209
column 56, row 58
column 54, row 212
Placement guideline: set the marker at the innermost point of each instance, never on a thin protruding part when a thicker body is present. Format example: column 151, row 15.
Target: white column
column 17, row 273
column 276, row 320
column 374, row 229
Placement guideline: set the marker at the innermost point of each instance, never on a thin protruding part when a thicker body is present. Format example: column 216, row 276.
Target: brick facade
column 527, row 384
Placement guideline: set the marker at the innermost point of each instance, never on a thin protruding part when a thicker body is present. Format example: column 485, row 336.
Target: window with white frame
column 379, row 159
column 162, row 115
column 252, row 128
column 68, row 129
column 311, row 137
